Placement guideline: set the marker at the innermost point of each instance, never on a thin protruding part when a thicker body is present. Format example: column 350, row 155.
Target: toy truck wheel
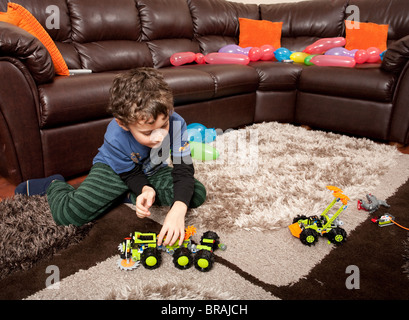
column 203, row 260
column 337, row 236
column 210, row 235
column 309, row 237
column 151, row 258
column 182, row 259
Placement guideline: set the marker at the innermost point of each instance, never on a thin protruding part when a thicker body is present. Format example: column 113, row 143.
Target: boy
column 132, row 157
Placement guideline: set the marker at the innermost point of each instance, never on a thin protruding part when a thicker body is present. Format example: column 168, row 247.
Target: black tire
column 204, row 260
column 212, row 236
column 151, row 258
column 337, row 236
column 182, row 258
column 309, row 237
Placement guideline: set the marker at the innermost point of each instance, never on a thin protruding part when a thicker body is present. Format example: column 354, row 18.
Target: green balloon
column 307, row 60
column 203, row 151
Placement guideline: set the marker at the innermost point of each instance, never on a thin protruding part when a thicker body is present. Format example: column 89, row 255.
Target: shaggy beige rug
column 266, row 174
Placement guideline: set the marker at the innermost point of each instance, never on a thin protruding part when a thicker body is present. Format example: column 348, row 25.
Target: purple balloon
column 231, row 48
column 341, row 51
column 246, row 50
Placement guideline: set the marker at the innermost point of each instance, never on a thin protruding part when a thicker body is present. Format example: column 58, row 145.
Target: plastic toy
column 372, row 205
column 384, row 221
column 142, row 248
column 307, row 229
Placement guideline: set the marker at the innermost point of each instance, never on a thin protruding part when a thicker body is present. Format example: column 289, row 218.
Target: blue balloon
column 282, row 54
column 199, row 133
column 196, row 132
column 210, row 135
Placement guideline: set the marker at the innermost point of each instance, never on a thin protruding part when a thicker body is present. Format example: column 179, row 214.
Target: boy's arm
column 183, row 181
column 135, row 180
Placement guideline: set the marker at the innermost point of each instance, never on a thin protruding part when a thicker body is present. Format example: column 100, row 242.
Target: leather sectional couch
column 55, row 124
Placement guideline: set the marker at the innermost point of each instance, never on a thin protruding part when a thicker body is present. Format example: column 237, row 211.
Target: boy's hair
column 140, row 94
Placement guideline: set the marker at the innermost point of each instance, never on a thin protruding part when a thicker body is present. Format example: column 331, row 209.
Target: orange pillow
column 255, row 33
column 20, row 17
column 368, row 35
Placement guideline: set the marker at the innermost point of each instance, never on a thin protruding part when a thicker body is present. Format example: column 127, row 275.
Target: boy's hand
column 174, row 225
column 144, row 201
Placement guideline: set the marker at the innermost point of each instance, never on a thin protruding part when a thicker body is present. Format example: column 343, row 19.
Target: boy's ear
column 123, row 126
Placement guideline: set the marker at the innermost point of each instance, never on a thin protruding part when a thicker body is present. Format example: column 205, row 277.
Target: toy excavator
column 307, row 229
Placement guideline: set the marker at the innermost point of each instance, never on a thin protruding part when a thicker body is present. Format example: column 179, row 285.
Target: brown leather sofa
column 55, row 124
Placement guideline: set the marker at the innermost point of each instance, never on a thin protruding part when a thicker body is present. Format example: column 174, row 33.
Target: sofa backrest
column 216, row 22
column 105, row 35
column 167, row 28
column 306, row 21
column 394, row 13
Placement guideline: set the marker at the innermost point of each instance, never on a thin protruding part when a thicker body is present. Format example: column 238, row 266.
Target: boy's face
column 150, row 132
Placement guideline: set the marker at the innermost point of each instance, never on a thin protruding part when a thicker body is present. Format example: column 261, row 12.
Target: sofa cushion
column 367, row 82
column 276, row 76
column 229, row 79
column 367, row 35
column 167, row 29
column 21, row 17
column 188, row 85
column 306, row 21
column 256, row 33
column 391, row 12
column 64, row 101
column 112, row 55
column 106, row 34
column 56, row 13
column 216, row 22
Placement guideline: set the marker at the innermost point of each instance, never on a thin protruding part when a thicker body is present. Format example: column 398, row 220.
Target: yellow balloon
column 299, row 56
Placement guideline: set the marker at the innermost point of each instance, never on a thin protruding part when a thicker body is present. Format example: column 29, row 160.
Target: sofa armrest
column 20, row 44
column 396, row 56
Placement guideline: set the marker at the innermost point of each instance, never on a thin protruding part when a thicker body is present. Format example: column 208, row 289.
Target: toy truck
column 307, row 229
column 142, row 248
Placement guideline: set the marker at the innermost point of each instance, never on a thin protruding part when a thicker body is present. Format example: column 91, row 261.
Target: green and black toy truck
column 142, row 248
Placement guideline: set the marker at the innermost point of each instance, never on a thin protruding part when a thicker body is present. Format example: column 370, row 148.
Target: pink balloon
column 361, row 56
column 255, row 54
column 177, row 59
column 268, row 52
column 324, row 44
column 373, row 55
column 226, row 58
column 200, row 58
column 333, row 61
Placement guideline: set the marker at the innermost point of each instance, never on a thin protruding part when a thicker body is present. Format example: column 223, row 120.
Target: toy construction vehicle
column 307, row 229
column 143, row 248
